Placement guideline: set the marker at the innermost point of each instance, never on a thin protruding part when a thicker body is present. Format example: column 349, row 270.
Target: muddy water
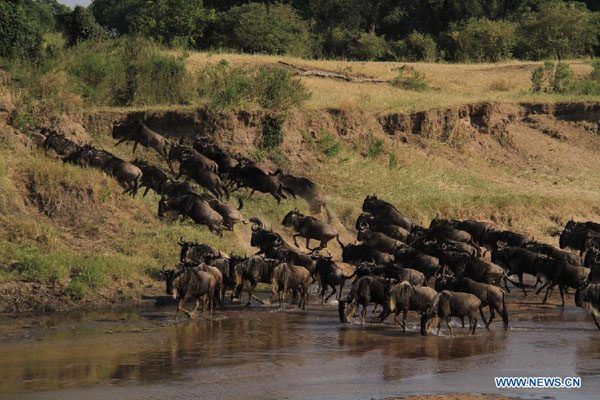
column 262, row 353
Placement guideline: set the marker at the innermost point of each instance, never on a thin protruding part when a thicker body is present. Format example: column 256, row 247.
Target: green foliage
column 557, row 30
column 415, row 81
column 484, row 40
column 368, row 46
column 558, row 78
column 20, row 35
column 375, row 148
column 80, row 25
column 417, row 47
column 273, row 89
column 354, row 44
column 260, row 28
column 272, row 130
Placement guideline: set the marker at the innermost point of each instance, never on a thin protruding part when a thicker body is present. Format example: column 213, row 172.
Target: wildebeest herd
column 395, row 259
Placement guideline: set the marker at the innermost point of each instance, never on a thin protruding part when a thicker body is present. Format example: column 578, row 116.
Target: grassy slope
column 72, row 228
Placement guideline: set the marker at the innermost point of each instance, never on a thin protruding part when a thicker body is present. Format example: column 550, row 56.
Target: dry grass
column 452, row 84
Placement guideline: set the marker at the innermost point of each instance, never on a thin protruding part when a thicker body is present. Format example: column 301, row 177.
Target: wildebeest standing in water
column 588, row 297
column 449, row 304
column 405, row 297
column 329, row 275
column 366, row 290
column 289, row 277
column 188, row 282
column 139, row 133
column 254, row 269
column 309, row 228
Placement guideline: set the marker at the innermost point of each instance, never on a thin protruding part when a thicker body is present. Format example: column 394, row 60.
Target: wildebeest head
column 565, row 238
column 163, row 206
column 369, row 202
column 170, row 275
column 291, row 218
column 263, row 238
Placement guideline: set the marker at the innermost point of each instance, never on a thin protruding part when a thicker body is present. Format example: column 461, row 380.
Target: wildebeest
column 305, row 189
column 489, row 295
column 588, row 225
column 353, row 254
column 219, row 285
column 446, row 305
column 183, row 153
column 139, row 133
column 289, row 277
column 405, row 297
column 203, row 177
column 223, row 160
column 189, row 282
column 367, row 290
column 367, row 221
column 152, row 177
column 578, row 239
column 385, row 211
column 441, row 230
column 60, row 144
column 493, row 237
column 553, row 252
column 409, row 257
column 192, row 206
column 309, row 228
column 476, row 229
column 254, row 269
column 558, row 272
column 231, row 215
column 588, row 297
column 330, row 275
column 516, row 261
column 194, row 252
column 256, row 179
column 227, row 267
column 379, row 241
column 389, row 271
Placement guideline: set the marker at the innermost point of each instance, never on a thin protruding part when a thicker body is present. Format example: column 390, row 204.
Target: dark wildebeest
column 580, row 239
column 60, row 144
column 553, row 252
column 437, row 228
column 290, row 277
column 384, row 211
column 389, row 271
column 139, row 133
column 329, row 275
column 182, row 153
column 231, row 215
column 203, row 177
column 409, row 257
column 223, row 160
column 216, row 273
column 188, row 282
column 305, row 189
column 591, row 226
column 254, row 269
column 492, row 237
column 379, row 241
column 353, row 254
column 175, row 189
column 152, row 177
column 227, row 267
column 588, row 297
column 489, row 295
column 367, row 221
column 476, row 229
column 404, row 297
column 449, row 304
column 309, row 228
column 558, row 272
column 516, row 261
column 256, row 179
column 194, row 252
column 368, row 289
column 192, row 206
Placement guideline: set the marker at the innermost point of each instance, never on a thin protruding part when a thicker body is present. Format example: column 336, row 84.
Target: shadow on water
column 266, row 352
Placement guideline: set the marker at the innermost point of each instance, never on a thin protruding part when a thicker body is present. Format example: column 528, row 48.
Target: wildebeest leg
column 339, row 296
column 404, row 320
column 134, row 147
column 396, row 314
column 462, row 320
column 550, row 287
column 308, row 243
column 450, row 326
column 506, row 284
column 487, row 323
column 332, row 293
column 146, row 192
column 473, row 322
column 375, row 308
column 439, row 326
column 595, row 321
column 363, row 315
column 120, row 141
column 302, row 303
column 492, row 315
column 521, row 283
column 562, row 296
column 252, row 286
column 545, row 285
column 196, row 305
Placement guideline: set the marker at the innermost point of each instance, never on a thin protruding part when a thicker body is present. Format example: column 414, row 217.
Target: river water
column 261, row 353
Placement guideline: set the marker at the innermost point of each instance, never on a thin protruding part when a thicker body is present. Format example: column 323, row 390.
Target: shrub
column 260, row 28
column 272, row 131
column 557, row 30
column 417, row 47
column 20, row 35
column 414, row 81
column 484, row 40
column 276, row 89
column 368, row 46
column 558, row 78
column 80, row 25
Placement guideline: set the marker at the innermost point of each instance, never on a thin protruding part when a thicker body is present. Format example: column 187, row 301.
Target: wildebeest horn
column 258, row 223
column 181, row 241
column 444, row 246
column 363, row 225
column 163, row 267
column 597, row 259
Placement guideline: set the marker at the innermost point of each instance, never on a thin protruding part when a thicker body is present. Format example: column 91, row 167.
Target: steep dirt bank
column 526, row 167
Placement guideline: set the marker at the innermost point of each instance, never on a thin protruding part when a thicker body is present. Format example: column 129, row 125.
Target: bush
column 558, row 78
column 414, row 81
column 276, row 89
column 484, row 40
column 272, row 131
column 557, row 30
column 259, row 28
column 20, row 36
column 368, row 46
column 224, row 86
column 417, row 47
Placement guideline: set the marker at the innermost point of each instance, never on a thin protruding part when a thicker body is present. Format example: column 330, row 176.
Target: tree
column 557, row 30
column 484, row 40
column 80, row 25
column 258, row 28
column 20, row 36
